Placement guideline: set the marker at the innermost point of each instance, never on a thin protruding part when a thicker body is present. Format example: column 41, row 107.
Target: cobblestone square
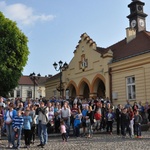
column 99, row 141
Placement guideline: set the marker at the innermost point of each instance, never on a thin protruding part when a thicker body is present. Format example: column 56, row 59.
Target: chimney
column 130, row 34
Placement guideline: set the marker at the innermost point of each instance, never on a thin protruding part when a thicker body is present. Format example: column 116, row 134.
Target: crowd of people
column 41, row 117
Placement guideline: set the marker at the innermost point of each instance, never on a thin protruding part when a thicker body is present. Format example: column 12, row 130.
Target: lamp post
column 34, row 78
column 62, row 66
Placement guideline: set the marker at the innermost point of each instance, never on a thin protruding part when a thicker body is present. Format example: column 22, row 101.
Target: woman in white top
column 8, row 118
column 65, row 114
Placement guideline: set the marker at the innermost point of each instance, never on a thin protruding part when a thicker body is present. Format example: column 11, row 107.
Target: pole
column 60, row 82
column 34, row 87
column 61, row 66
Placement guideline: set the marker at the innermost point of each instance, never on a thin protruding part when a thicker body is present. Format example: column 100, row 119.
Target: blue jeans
column 9, row 131
column 138, row 129
column 89, row 128
column 67, row 123
column 42, row 132
column 77, row 131
column 19, row 132
column 125, row 128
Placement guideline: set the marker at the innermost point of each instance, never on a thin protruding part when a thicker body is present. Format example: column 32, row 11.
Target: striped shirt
column 17, row 122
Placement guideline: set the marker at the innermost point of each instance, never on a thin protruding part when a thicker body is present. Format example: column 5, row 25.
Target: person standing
column 42, row 126
column 131, row 115
column 63, row 131
column 138, row 120
column 125, row 122
column 57, row 118
column 1, row 118
column 97, row 117
column 8, row 119
column 102, row 110
column 83, row 120
column 27, row 128
column 33, row 124
column 110, row 119
column 118, row 118
column 17, row 125
column 74, row 111
column 77, row 122
column 65, row 115
column 90, row 121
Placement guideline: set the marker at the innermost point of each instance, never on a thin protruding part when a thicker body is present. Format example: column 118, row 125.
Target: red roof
column 25, row 80
column 123, row 50
column 139, row 45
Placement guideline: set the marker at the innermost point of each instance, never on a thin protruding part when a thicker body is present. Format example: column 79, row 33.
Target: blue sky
column 54, row 27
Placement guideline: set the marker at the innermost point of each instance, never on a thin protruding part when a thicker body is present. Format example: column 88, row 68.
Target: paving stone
column 100, row 141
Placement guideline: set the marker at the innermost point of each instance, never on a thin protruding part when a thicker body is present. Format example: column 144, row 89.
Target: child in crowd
column 17, row 128
column 97, row 117
column 27, row 129
column 110, row 119
column 63, row 131
column 137, row 121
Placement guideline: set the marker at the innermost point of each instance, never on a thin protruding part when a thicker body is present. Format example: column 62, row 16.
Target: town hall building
column 120, row 71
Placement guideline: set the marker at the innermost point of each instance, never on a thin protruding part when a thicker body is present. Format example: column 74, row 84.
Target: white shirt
column 50, row 115
column 8, row 118
column 65, row 112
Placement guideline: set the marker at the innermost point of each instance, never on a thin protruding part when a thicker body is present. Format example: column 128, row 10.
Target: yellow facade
column 51, row 86
column 100, row 77
column 139, row 67
column 120, row 72
column 95, row 71
column 78, row 77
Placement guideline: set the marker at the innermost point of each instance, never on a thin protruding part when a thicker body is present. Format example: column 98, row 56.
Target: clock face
column 141, row 22
column 133, row 23
column 139, row 8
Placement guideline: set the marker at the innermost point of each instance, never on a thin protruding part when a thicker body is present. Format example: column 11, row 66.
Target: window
column 18, row 93
column 29, row 94
column 130, row 82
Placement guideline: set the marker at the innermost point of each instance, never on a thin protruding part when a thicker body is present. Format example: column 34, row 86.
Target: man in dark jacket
column 125, row 122
column 118, row 117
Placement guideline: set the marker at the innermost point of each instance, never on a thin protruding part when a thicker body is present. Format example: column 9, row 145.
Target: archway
column 84, row 90
column 98, row 86
column 72, row 88
column 72, row 91
column 101, row 89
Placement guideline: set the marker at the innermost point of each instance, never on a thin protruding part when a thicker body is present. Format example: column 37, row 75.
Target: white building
column 27, row 88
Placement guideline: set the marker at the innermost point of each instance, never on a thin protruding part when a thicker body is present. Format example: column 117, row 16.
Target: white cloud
column 22, row 14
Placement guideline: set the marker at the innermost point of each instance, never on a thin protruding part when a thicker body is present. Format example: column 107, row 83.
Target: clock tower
column 137, row 16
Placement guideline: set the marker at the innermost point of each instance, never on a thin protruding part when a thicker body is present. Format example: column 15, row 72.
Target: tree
column 13, row 54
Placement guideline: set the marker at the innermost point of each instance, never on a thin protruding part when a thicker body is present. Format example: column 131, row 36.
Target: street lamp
column 34, row 78
column 61, row 67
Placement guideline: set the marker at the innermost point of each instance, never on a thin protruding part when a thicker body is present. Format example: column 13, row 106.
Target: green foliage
column 13, row 54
